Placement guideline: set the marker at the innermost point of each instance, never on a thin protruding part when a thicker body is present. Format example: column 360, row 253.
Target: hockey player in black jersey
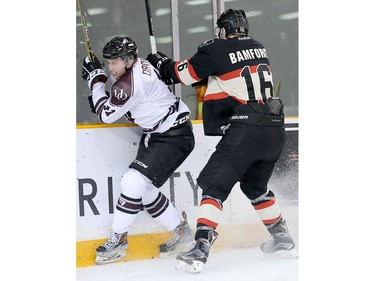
column 239, row 106
column 137, row 93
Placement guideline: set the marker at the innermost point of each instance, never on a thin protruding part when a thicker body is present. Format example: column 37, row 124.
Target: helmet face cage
column 120, row 47
column 234, row 22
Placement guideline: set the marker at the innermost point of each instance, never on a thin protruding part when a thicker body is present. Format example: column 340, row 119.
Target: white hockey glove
column 93, row 72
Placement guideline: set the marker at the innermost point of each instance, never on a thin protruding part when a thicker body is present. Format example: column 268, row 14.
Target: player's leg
column 209, row 213
column 164, row 154
column 222, row 171
column 216, row 180
column 254, row 186
column 133, row 187
column 158, row 206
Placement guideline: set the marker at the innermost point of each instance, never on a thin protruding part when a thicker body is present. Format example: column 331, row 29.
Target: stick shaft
column 150, row 28
column 277, row 88
column 86, row 33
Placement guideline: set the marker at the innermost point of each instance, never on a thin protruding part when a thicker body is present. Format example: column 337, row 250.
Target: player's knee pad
column 134, row 184
column 252, row 192
column 218, row 193
column 150, row 195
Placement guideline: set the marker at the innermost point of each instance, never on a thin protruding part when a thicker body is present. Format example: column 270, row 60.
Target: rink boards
column 103, row 155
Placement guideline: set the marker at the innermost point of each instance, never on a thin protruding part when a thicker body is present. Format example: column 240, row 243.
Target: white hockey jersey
column 141, row 97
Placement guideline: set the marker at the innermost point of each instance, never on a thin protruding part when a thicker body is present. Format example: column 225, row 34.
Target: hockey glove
column 275, row 105
column 160, row 61
column 93, row 72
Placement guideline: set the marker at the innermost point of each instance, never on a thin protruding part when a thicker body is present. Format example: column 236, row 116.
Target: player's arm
column 188, row 71
column 120, row 101
column 94, row 74
column 108, row 106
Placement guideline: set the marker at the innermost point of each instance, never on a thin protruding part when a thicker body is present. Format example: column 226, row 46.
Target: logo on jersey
column 206, row 43
column 140, row 163
column 239, row 117
column 120, row 95
column 180, row 121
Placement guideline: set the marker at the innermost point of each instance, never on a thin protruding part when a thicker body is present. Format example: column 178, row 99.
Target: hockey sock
column 209, row 213
column 125, row 213
column 163, row 212
column 267, row 209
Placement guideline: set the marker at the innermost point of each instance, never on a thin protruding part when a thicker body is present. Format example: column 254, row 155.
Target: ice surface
column 244, row 264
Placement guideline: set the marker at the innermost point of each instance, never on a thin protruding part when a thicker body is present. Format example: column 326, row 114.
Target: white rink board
column 103, row 156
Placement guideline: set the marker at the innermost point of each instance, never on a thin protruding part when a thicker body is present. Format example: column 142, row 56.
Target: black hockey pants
column 165, row 153
column 247, row 153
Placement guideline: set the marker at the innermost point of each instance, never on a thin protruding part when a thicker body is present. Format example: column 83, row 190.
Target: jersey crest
column 120, row 94
column 206, row 43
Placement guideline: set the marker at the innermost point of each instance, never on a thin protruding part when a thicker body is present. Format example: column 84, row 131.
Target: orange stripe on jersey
column 265, row 204
column 192, row 71
column 207, row 222
column 271, row 221
column 253, row 68
column 230, row 75
column 211, row 202
column 221, row 95
column 216, row 96
column 237, row 73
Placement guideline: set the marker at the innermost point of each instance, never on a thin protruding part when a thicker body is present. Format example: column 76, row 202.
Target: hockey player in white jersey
column 138, row 94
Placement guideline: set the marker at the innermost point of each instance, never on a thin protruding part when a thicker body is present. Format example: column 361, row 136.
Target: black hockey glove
column 93, row 72
column 275, row 105
column 160, row 61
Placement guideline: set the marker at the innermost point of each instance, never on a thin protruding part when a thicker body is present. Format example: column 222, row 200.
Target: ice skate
column 193, row 260
column 182, row 236
column 113, row 249
column 280, row 242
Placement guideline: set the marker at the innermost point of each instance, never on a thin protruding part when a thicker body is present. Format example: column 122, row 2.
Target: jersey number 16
column 258, row 81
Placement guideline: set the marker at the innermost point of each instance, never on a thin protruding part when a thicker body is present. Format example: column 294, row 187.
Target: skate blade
column 194, row 267
column 180, row 248
column 284, row 253
column 168, row 254
column 105, row 260
column 288, row 253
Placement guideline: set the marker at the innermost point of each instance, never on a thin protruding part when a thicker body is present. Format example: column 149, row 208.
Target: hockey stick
column 150, row 28
column 277, row 88
column 86, row 33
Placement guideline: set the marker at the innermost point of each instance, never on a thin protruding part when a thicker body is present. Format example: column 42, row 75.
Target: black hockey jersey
column 238, row 72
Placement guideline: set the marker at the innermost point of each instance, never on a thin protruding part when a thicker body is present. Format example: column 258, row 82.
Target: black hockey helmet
column 234, row 22
column 120, row 47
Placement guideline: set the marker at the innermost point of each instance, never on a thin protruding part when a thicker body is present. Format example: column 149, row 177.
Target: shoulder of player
column 205, row 43
column 213, row 44
column 252, row 40
column 209, row 45
column 144, row 68
column 142, row 61
column 123, row 83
